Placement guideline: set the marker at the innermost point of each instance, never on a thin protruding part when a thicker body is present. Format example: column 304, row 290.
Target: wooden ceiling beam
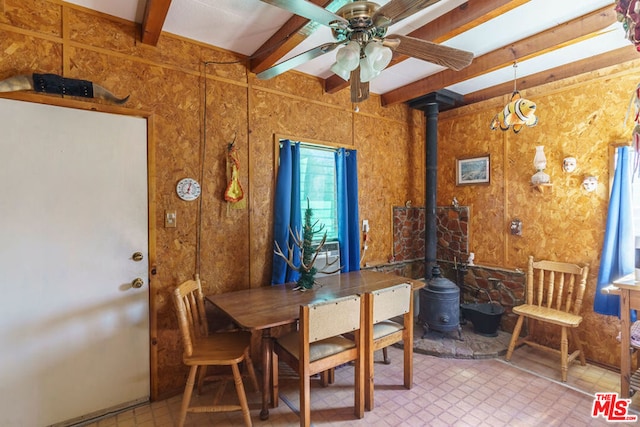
column 154, row 16
column 282, row 41
column 463, row 18
column 559, row 36
column 587, row 65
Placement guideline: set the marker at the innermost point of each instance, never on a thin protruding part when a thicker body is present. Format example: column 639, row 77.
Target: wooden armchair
column 318, row 346
column 554, row 295
column 380, row 331
column 202, row 350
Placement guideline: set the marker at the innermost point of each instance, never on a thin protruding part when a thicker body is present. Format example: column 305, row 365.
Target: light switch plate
column 170, row 219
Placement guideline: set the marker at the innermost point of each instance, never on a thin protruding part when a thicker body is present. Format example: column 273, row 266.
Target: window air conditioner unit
column 329, row 258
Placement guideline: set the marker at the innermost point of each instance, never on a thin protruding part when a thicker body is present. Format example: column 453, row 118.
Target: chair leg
column 368, row 380
column 186, row 398
column 564, row 353
column 576, row 338
column 202, row 374
column 324, row 378
column 274, row 379
column 514, row 337
column 237, row 379
column 252, row 373
column 359, row 388
column 385, row 356
column 408, row 361
column 305, row 401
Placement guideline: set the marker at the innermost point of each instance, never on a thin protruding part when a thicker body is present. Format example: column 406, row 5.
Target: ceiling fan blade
column 449, row 57
column 297, row 60
column 397, row 10
column 311, row 11
column 359, row 89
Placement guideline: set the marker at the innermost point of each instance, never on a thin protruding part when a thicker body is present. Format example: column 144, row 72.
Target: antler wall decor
column 308, row 254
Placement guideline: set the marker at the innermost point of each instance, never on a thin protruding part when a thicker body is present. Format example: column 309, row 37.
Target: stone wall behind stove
column 479, row 283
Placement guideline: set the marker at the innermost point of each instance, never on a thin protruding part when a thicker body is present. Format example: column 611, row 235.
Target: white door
column 74, row 333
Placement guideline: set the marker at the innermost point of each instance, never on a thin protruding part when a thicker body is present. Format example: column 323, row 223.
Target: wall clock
column 188, row 189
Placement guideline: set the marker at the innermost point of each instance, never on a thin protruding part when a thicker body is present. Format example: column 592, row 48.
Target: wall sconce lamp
column 540, row 164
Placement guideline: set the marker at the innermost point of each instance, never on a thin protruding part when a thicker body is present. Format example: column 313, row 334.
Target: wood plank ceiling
column 458, row 20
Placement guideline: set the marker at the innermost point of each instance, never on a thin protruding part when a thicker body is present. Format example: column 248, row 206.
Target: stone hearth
column 472, row 345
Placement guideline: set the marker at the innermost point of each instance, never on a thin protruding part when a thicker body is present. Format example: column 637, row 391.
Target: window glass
column 318, row 185
column 635, row 187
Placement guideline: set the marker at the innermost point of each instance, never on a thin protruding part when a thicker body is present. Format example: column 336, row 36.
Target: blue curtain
column 618, row 252
column 286, row 214
column 348, row 228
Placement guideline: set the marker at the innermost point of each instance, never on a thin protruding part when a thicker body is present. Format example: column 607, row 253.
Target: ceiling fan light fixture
column 379, row 56
column 347, row 60
column 341, row 71
column 367, row 72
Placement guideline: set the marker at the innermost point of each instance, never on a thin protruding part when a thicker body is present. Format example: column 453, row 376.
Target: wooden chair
column 380, row 331
column 319, row 346
column 202, row 350
column 554, row 296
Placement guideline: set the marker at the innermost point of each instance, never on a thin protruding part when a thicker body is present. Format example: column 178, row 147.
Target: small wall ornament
column 540, row 164
column 55, row 84
column 233, row 193
column 628, row 13
column 517, row 113
column 569, row 164
column 590, row 183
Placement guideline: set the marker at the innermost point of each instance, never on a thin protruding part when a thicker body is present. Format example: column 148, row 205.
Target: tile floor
column 480, row 389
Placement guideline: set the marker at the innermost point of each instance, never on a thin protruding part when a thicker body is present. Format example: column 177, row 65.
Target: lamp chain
column 515, row 67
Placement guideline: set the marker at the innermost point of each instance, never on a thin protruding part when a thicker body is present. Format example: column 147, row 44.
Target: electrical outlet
column 170, row 219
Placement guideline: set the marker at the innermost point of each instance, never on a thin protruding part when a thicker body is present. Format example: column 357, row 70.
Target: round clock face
column 188, row 189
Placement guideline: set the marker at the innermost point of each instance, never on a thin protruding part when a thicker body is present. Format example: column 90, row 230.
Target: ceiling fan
column 361, row 28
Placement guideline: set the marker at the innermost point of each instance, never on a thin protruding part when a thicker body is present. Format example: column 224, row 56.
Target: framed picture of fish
column 473, row 170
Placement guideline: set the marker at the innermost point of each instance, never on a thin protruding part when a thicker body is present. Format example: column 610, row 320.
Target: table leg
column 625, row 344
column 267, row 348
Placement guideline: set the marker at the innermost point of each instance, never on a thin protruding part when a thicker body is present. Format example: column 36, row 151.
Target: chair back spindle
column 556, row 285
column 189, row 302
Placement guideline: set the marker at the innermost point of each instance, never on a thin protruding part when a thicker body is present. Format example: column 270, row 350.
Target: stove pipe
column 431, row 186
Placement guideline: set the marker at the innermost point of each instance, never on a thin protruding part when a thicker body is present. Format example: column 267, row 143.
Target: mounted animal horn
column 53, row 83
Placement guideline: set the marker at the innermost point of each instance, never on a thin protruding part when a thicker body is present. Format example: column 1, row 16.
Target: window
column 635, row 186
column 635, row 189
column 318, row 185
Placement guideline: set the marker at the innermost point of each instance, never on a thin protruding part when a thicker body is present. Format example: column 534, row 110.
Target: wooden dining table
column 267, row 307
column 628, row 288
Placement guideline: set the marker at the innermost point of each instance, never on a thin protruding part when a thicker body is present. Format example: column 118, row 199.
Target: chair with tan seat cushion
column 554, row 296
column 318, row 345
column 381, row 331
column 202, row 350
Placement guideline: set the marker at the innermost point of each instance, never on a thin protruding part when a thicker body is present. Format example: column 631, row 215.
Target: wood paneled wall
column 201, row 98
column 579, row 117
column 185, row 85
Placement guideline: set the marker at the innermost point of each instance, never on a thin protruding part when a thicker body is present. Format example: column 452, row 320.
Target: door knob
column 137, row 256
column 137, row 283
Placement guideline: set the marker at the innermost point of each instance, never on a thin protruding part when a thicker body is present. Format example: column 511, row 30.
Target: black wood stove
column 440, row 305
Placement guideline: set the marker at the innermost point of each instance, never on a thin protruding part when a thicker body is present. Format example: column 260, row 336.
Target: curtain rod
column 314, row 146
